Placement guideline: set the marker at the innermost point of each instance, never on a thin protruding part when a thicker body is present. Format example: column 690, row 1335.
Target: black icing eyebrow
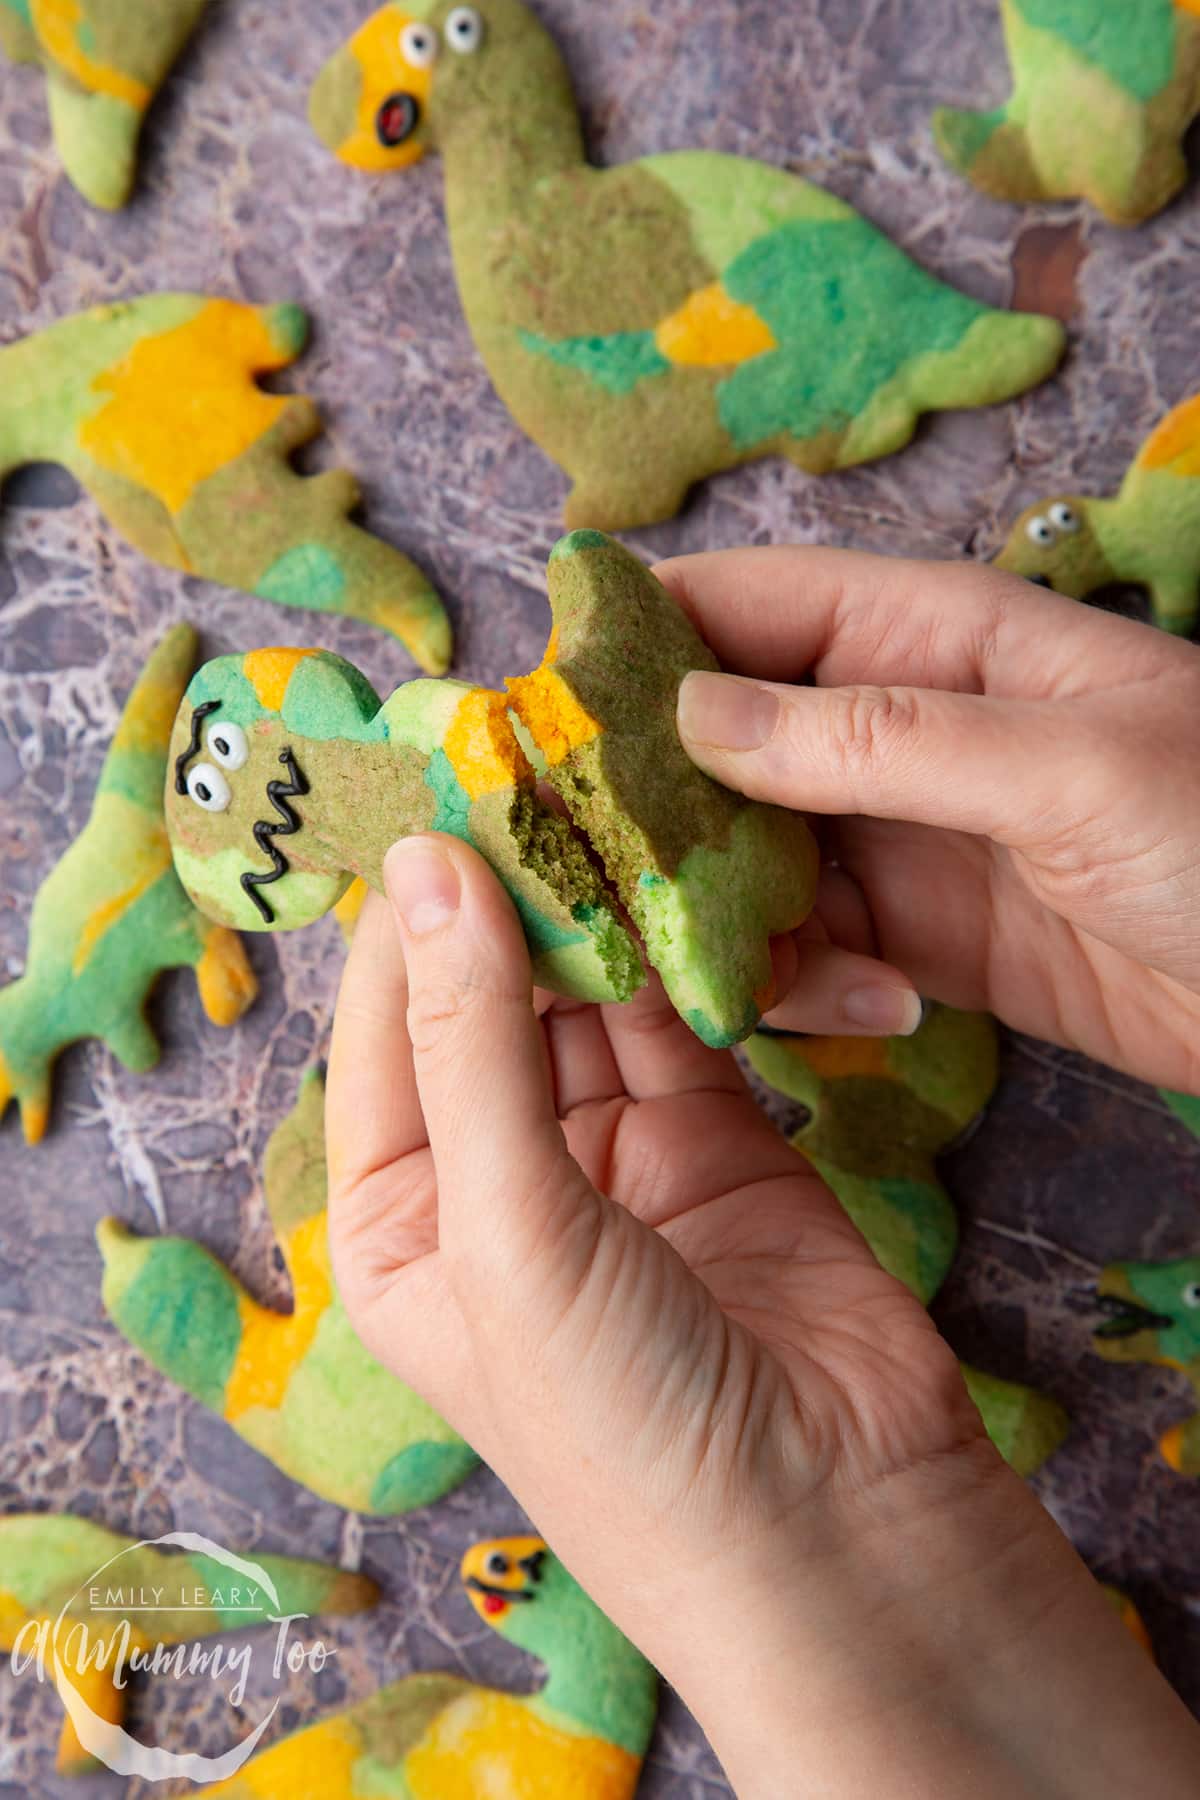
column 181, row 762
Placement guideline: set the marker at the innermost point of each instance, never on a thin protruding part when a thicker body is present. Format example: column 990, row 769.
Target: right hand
column 1008, row 784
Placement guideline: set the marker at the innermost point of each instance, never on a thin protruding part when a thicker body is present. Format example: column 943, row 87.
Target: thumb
column 509, row 1190
column 962, row 762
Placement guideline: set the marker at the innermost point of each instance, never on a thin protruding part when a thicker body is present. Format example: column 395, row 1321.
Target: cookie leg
column 598, row 503
column 226, row 981
column 133, row 1043
column 96, row 135
column 1174, row 605
column 1025, row 1426
column 95, row 1689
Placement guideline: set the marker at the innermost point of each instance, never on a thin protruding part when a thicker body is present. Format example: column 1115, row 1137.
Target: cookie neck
column 621, row 1706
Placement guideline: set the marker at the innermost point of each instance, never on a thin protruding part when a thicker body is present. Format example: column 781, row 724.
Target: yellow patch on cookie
column 1189, row 6
column 1170, row 1446
column 224, row 977
column 495, row 1745
column 272, row 1343
column 183, row 404
column 481, row 748
column 711, row 330
column 269, row 671
column 349, row 906
column 313, row 1765
column 550, row 713
column 834, row 1057
column 59, row 25
column 154, row 855
column 385, row 70
column 1175, row 444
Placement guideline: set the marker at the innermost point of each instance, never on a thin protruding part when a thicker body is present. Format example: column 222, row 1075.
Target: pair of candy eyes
column 1060, row 521
column 464, row 33
column 226, row 745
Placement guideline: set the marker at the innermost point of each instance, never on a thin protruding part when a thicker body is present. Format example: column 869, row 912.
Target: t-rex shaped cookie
column 112, row 914
column 291, row 777
column 153, row 407
column 881, row 1110
column 298, row 1386
column 1147, row 536
column 1152, row 1315
column 104, row 61
column 50, row 1567
column 1104, row 91
column 655, row 323
column 581, row 1736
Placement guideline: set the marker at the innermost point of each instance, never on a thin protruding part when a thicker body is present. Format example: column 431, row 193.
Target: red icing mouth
column 492, row 1603
column 396, row 119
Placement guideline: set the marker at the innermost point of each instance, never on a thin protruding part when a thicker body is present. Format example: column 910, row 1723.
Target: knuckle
column 867, row 726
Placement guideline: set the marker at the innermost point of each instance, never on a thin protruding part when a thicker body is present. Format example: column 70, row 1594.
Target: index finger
column 781, row 611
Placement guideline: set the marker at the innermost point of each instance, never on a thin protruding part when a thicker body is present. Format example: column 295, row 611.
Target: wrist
column 935, row 1637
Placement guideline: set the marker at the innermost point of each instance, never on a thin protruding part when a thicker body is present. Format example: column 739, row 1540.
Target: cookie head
column 1053, row 545
column 1151, row 1312
column 256, row 768
column 506, row 1578
column 373, row 102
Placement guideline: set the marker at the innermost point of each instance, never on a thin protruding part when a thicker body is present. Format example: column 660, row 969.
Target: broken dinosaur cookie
column 655, row 323
column 153, row 406
column 1152, row 1315
column 581, row 1736
column 880, row 1112
column 104, row 61
column 299, row 1386
column 1103, row 94
column 50, row 1568
column 1148, row 535
column 112, row 914
column 290, row 777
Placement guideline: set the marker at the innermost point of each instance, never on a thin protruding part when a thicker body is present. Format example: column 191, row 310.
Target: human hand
column 581, row 1240
column 1009, row 785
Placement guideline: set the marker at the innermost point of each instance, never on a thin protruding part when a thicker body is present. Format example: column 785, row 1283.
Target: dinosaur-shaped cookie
column 112, row 914
column 290, row 777
column 655, row 323
column 153, row 407
column 1152, row 1315
column 881, row 1110
column 1104, row 92
column 581, row 1736
column 298, row 1386
column 55, row 1570
column 104, row 61
column 1148, row 535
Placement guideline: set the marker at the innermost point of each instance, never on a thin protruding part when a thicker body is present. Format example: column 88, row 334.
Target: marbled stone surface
column 1072, row 1166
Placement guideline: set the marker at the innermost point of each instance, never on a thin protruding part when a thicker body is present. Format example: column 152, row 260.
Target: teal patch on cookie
column 307, row 575
column 1134, row 45
column 575, row 541
column 617, row 363
column 420, row 1475
column 454, row 803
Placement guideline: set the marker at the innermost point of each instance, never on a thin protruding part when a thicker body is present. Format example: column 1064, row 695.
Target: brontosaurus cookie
column 655, row 323
column 1104, row 92
column 581, row 1736
column 49, row 1569
column 290, row 777
column 299, row 1386
column 104, row 61
column 880, row 1112
column 1147, row 536
column 112, row 914
column 153, row 407
column 1152, row 1315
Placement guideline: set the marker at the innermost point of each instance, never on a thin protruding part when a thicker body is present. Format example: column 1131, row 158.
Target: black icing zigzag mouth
column 279, row 793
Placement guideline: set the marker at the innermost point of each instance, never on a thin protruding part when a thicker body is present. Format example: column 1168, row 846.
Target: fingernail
column 422, row 884
column 882, row 1011
column 725, row 712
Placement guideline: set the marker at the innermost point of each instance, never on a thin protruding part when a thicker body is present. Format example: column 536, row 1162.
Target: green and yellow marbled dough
column 1103, row 94
column 47, row 1570
column 581, row 1736
column 1152, row 1315
column 655, row 323
column 881, row 1110
column 112, row 914
column 706, row 876
column 1148, row 535
column 104, row 61
column 298, row 1386
column 153, row 406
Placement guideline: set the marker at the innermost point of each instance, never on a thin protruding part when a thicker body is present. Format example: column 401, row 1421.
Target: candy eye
column 464, row 30
column 208, row 787
column 497, row 1564
column 1191, row 1294
column 227, row 744
column 419, row 46
column 1040, row 531
column 1064, row 517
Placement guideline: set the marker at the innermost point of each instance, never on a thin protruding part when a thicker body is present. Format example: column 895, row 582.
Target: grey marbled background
column 1073, row 1165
